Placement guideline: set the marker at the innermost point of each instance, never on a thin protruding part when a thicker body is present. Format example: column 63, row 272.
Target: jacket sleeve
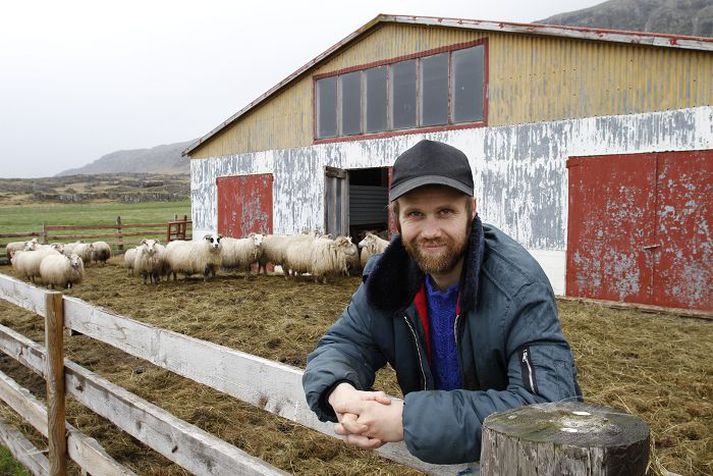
column 346, row 352
column 444, row 427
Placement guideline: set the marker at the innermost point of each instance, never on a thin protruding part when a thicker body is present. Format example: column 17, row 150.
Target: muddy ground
column 653, row 365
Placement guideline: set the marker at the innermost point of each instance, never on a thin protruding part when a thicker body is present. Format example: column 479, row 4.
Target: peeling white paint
column 519, row 171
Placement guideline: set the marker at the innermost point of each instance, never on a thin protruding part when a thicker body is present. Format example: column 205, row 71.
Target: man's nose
column 431, row 228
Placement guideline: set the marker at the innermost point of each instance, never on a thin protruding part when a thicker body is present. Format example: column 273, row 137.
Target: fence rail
column 269, row 385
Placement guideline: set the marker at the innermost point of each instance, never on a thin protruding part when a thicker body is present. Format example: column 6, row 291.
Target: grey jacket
column 510, row 345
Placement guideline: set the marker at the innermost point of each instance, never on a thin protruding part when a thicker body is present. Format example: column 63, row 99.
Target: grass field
column 31, row 217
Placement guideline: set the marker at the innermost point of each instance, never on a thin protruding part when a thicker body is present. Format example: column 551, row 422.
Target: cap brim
column 408, row 185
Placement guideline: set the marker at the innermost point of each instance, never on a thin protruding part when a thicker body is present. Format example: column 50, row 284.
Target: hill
column 679, row 17
column 162, row 159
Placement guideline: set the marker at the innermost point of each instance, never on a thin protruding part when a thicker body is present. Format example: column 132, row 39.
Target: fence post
column 56, row 423
column 43, row 234
column 120, row 237
column 564, row 438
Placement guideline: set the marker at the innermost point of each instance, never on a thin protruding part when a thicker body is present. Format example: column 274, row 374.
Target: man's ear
column 475, row 208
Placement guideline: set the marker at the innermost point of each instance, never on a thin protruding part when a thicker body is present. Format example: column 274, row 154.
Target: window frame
column 390, row 132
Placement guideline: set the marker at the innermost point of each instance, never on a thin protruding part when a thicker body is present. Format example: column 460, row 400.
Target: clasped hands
column 366, row 419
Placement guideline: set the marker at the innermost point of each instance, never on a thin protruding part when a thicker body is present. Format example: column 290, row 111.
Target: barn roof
column 596, row 34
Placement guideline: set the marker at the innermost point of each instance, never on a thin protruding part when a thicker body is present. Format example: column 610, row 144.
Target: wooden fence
column 266, row 384
column 176, row 229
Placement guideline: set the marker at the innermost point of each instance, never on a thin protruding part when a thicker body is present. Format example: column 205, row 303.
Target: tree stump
column 564, row 439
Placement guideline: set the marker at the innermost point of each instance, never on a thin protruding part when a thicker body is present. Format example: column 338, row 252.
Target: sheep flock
column 320, row 257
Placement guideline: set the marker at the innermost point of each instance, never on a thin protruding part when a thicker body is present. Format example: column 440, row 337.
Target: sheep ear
column 158, row 242
column 206, row 237
column 143, row 242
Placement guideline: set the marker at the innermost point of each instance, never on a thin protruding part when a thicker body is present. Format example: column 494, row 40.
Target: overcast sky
column 80, row 79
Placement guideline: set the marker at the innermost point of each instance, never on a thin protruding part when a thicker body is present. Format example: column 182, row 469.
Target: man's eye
column 413, row 214
column 446, row 212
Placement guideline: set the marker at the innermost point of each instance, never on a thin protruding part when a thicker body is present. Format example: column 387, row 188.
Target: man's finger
column 364, row 442
column 350, row 425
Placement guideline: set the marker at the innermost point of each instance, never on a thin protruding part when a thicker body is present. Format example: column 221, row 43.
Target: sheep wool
column 27, row 263
column 203, row 256
column 61, row 271
column 242, row 253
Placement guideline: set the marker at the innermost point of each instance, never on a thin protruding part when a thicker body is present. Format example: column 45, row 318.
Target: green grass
column 8, row 465
column 30, row 217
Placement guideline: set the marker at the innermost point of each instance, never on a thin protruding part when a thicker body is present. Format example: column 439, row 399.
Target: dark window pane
column 468, row 84
column 351, row 102
column 404, row 94
column 327, row 107
column 376, row 99
column 434, row 92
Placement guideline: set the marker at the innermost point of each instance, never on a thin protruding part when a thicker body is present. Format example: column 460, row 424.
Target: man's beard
column 442, row 262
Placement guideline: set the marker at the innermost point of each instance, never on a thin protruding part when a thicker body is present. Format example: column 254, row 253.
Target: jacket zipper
column 418, row 351
column 528, row 366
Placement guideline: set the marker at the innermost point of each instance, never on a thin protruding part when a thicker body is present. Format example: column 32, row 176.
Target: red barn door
column 244, row 205
column 638, row 228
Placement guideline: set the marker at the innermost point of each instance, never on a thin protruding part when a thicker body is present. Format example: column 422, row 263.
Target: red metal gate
column 638, row 228
column 244, row 205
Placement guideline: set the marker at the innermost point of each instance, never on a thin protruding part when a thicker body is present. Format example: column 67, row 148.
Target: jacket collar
column 395, row 278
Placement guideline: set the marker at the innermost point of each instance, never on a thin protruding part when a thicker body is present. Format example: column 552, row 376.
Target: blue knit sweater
column 444, row 355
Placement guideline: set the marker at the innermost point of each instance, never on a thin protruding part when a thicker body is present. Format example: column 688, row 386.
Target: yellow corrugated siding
column 531, row 79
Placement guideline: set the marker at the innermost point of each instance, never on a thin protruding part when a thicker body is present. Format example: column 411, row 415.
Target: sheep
column 371, row 245
column 129, row 259
column 297, row 256
column 149, row 260
column 321, row 256
column 273, row 251
column 101, row 252
column 59, row 270
column 191, row 257
column 27, row 263
column 351, row 253
column 35, row 246
column 15, row 246
column 83, row 250
column 241, row 253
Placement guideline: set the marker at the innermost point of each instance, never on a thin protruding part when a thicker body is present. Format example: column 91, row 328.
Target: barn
column 592, row 148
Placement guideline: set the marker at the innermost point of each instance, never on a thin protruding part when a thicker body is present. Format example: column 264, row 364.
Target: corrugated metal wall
column 531, row 79
column 519, row 171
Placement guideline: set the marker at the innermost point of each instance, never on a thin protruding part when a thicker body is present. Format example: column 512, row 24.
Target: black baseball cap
column 431, row 163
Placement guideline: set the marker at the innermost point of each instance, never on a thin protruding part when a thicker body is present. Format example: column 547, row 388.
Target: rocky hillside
column 680, row 17
column 162, row 159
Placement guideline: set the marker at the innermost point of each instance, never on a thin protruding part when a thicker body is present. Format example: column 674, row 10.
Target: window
column 437, row 89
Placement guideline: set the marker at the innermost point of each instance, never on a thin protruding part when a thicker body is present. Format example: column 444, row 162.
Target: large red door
column 638, row 228
column 244, row 205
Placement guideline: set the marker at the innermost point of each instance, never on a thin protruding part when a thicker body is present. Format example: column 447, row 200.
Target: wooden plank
column 85, row 451
column 19, row 234
column 23, row 294
column 270, row 385
column 23, row 403
column 56, row 420
column 187, row 445
column 104, row 235
column 22, row 450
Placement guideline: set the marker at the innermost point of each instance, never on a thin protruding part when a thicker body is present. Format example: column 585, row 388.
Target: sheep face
column 59, row 247
column 149, row 247
column 257, row 238
column 76, row 262
column 213, row 242
column 345, row 244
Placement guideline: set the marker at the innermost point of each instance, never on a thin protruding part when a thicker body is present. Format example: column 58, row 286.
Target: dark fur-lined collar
column 395, row 278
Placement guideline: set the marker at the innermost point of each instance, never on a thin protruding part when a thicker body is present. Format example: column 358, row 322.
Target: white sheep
column 83, row 250
column 351, row 253
column 371, row 245
column 203, row 256
column 297, row 256
column 34, row 246
column 27, row 263
column 129, row 259
column 322, row 256
column 61, row 271
column 15, row 246
column 149, row 260
column 241, row 253
column 101, row 252
column 273, row 251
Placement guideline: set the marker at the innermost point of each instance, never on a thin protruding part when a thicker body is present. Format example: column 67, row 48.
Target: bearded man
column 462, row 312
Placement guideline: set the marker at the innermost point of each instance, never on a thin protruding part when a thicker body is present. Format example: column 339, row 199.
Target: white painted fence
column 270, row 385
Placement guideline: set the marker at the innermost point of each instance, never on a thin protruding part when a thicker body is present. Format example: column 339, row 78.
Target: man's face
column 435, row 223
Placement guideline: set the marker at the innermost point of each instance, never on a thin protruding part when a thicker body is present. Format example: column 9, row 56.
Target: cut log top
column 572, row 424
